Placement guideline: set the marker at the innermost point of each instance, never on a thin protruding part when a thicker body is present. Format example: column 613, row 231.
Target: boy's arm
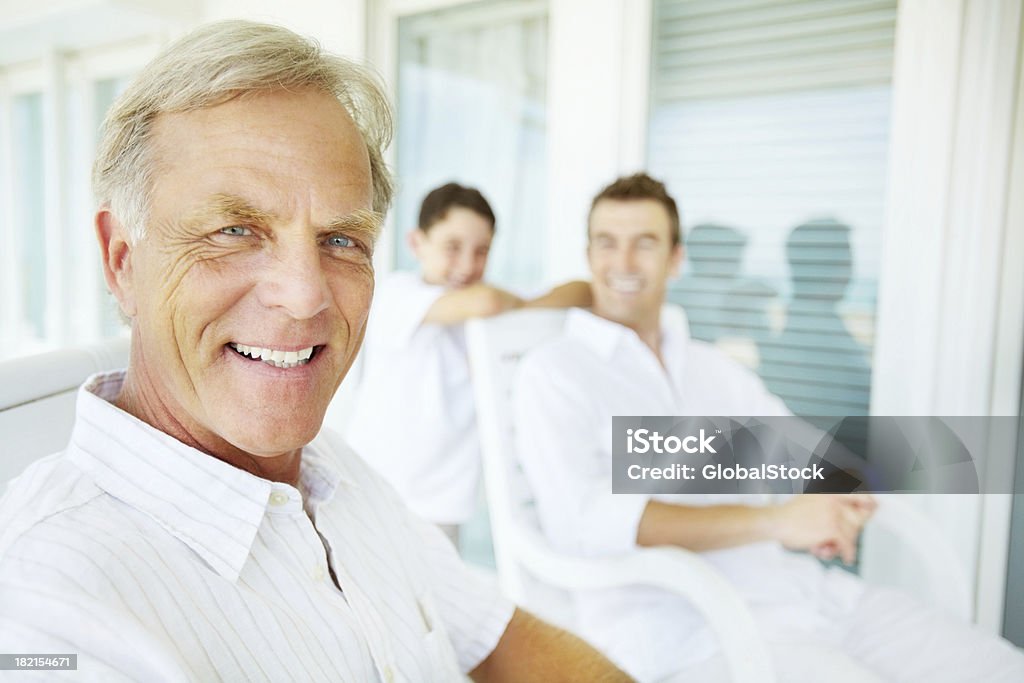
column 478, row 300
column 481, row 300
column 576, row 293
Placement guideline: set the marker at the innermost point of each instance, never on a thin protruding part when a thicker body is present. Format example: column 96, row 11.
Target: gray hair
column 209, row 66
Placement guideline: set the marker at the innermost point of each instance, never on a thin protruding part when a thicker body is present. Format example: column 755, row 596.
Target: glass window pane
column 27, row 148
column 769, row 121
column 471, row 108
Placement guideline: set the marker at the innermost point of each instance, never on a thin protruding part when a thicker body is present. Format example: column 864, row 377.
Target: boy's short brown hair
column 439, row 202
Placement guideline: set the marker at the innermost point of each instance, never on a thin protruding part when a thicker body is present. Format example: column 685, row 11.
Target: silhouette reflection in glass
column 715, row 257
column 815, row 364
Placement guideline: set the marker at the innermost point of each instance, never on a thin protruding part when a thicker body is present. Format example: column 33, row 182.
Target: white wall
column 339, row 25
column 597, row 102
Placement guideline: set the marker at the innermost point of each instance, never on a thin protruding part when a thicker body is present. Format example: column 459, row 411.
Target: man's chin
column 266, row 438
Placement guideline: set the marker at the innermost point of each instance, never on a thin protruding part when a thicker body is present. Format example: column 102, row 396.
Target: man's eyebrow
column 360, row 223
column 227, row 206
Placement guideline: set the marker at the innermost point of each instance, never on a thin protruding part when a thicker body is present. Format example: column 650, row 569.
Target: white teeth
column 626, row 285
column 275, row 357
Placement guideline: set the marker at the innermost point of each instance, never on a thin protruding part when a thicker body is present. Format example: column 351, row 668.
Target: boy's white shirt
column 414, row 419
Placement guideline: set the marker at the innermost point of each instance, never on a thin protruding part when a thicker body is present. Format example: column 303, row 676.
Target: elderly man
column 197, row 527
column 624, row 357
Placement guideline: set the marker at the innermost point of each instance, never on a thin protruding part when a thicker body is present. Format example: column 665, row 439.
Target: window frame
column 56, row 76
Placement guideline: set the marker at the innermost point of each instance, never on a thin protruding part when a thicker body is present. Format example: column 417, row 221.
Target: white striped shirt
column 153, row 561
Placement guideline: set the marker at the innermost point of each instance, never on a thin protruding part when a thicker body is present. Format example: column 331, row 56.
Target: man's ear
column 676, row 260
column 116, row 253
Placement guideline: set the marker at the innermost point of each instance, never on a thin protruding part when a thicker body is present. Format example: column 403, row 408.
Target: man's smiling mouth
column 276, row 357
column 625, row 284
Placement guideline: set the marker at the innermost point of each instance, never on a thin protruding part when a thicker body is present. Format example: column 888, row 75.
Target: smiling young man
column 415, row 420
column 630, row 355
column 199, row 526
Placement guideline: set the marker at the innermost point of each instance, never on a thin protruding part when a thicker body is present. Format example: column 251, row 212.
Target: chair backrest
column 37, row 400
column 495, row 347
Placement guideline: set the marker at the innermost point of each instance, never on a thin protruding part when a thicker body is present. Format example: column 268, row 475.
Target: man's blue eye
column 340, row 241
column 236, row 230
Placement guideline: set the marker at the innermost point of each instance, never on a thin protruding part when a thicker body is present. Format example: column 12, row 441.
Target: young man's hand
column 826, row 525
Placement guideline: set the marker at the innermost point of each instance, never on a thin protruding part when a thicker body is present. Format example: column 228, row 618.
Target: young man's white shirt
column 566, row 394
column 415, row 420
column 154, row 561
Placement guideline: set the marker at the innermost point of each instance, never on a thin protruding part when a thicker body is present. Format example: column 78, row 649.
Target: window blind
column 769, row 122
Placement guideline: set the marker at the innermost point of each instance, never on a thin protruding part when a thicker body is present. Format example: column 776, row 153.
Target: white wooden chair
column 37, row 400
column 523, row 556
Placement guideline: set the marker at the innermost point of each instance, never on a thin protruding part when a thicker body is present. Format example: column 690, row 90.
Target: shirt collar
column 213, row 507
column 604, row 336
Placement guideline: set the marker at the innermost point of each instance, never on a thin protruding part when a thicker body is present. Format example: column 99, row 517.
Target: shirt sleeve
column 110, row 645
column 560, row 445
column 399, row 306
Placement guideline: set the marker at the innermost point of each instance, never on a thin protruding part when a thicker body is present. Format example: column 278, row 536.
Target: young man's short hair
column 440, row 201
column 641, row 186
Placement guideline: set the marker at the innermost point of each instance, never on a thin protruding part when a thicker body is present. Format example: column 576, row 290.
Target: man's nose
column 295, row 281
column 624, row 259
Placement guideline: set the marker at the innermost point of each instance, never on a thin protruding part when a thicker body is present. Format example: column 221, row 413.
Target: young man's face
column 453, row 252
column 631, row 259
column 259, row 242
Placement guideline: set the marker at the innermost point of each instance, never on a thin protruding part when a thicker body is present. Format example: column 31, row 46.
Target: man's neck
column 647, row 329
column 651, row 337
column 282, row 468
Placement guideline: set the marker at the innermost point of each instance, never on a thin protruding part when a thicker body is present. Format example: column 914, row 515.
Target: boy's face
column 453, row 251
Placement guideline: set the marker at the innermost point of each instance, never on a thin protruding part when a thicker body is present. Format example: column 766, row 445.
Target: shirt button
column 318, row 574
column 389, row 675
column 278, row 498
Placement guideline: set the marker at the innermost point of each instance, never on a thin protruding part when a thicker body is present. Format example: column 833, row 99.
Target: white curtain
column 471, row 108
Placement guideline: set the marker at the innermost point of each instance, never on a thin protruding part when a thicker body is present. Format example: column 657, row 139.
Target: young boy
column 414, row 419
